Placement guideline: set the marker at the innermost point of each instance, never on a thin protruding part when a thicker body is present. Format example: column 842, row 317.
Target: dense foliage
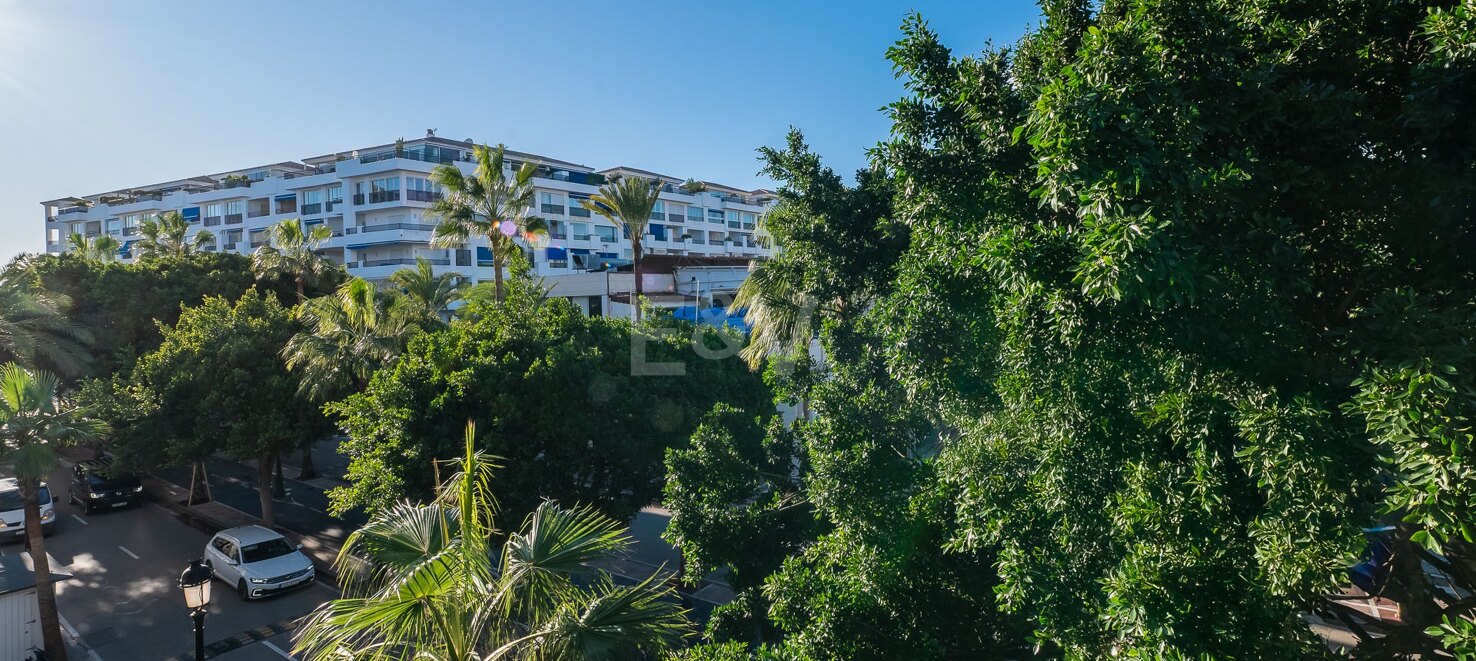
column 555, row 397
column 1185, row 302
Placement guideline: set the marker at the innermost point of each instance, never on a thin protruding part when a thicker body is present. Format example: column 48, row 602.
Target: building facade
column 376, row 201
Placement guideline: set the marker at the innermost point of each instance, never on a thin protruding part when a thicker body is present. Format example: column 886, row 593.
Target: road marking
column 77, row 638
column 125, row 550
column 278, row 650
column 80, row 519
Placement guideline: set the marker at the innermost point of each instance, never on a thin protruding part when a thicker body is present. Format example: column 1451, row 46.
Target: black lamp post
column 195, row 582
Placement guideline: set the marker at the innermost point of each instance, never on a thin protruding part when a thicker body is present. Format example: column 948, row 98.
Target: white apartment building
column 376, row 201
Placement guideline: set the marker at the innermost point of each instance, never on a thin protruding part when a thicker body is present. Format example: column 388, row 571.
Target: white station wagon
column 258, row 562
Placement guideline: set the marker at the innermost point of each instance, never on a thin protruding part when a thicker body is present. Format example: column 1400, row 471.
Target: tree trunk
column 199, row 484
column 56, row 648
column 497, row 276
column 264, row 488
column 301, row 297
column 635, row 271
column 279, row 486
column 308, row 470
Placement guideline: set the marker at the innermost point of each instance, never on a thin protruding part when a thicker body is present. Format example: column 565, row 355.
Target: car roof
column 245, row 535
column 11, row 483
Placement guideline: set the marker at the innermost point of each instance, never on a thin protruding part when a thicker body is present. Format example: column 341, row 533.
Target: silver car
column 258, row 562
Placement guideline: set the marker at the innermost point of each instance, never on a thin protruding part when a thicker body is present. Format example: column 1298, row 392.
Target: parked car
column 258, row 562
column 13, row 512
column 95, row 486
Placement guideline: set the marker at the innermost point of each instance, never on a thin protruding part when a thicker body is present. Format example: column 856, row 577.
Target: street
column 125, row 604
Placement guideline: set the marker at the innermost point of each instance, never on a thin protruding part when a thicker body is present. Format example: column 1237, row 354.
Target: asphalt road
column 124, row 601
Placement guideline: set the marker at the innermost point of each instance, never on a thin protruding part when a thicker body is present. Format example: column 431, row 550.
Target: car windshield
column 265, row 550
column 104, row 483
column 10, row 501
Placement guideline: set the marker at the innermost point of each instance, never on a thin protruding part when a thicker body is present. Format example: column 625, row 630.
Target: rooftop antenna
column 430, row 133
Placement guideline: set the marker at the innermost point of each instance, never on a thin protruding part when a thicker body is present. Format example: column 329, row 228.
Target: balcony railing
column 312, row 209
column 749, row 226
column 733, row 225
column 233, row 219
column 558, row 235
column 384, row 196
column 212, row 221
column 229, row 246
column 258, row 244
column 399, row 261
column 68, row 210
column 578, row 211
column 676, row 218
column 130, row 231
column 422, row 195
column 358, row 198
column 416, row 156
column 257, row 213
column 328, row 206
column 389, row 226
column 582, row 237
column 552, row 208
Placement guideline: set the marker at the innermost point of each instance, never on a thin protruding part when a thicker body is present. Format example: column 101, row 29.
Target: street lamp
column 195, row 582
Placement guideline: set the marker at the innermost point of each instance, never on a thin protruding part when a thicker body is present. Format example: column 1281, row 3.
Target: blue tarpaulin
column 714, row 316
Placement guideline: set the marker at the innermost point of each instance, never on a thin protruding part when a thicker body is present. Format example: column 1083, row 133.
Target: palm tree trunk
column 279, row 486
column 56, row 649
column 264, row 488
column 635, row 270
column 308, row 470
column 497, row 275
column 300, row 295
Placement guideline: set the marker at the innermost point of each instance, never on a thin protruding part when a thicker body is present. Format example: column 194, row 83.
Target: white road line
column 125, row 550
column 278, row 650
column 80, row 519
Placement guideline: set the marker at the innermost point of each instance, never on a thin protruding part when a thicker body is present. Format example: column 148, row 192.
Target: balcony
column 130, row 231
column 578, row 211
column 675, row 218
column 552, row 208
column 390, row 226
column 257, row 213
column 377, row 197
column 398, row 261
column 233, row 219
column 554, row 234
column 749, row 226
column 328, row 206
column 312, row 209
column 733, row 225
column 422, row 196
column 70, row 210
column 212, row 221
column 446, row 157
column 228, row 247
column 358, row 198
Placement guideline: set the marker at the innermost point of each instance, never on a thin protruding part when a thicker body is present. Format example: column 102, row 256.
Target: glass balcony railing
column 552, row 208
column 422, row 195
column 312, row 209
column 390, row 226
column 578, row 211
column 377, row 197
column 212, row 221
column 233, row 219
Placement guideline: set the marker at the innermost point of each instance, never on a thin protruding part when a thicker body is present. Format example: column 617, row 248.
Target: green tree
column 489, row 204
column 426, row 580
column 291, row 252
column 33, row 424
column 102, row 248
column 215, row 384
column 346, row 337
column 35, row 331
column 427, row 293
column 168, row 234
column 503, row 366
column 627, row 202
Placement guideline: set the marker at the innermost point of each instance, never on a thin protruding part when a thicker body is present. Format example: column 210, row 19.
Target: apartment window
column 581, row 231
column 551, row 203
column 235, row 211
column 258, row 208
column 287, row 204
column 53, row 235
column 335, row 196
column 658, row 211
column 213, row 212
column 694, row 214
column 715, row 215
column 749, row 221
column 312, row 202
column 733, row 219
column 577, row 209
column 606, row 233
column 556, row 229
column 676, row 212
column 257, row 176
column 386, row 189
column 421, row 189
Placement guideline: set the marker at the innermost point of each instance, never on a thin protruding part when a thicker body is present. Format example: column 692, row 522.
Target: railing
column 72, row 210
column 734, row 225
column 257, row 213
column 358, row 198
column 389, row 226
column 130, row 231
column 676, row 218
column 422, row 195
column 92, row 233
column 229, row 246
column 749, row 226
column 415, row 156
column 258, row 244
column 558, row 235
column 384, row 196
column 552, row 208
column 582, row 237
column 399, row 261
column 328, row 206
column 312, row 209
column 212, row 221
column 694, row 218
column 578, row 211
column 233, row 219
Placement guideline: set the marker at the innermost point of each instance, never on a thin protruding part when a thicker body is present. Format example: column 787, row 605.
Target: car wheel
column 241, row 590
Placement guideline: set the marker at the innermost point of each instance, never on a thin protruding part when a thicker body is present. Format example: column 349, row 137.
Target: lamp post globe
column 195, row 583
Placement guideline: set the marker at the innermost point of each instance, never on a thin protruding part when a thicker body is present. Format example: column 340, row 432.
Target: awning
column 484, row 254
column 579, row 251
column 190, row 212
column 280, row 198
column 555, row 253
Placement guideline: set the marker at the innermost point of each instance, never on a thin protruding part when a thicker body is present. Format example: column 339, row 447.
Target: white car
column 13, row 512
column 258, row 562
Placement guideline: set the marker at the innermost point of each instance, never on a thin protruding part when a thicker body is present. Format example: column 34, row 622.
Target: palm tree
column 349, row 335
column 34, row 331
column 98, row 248
column 780, row 313
column 166, row 234
column 426, row 292
column 32, row 426
column 424, row 582
column 627, row 202
column 291, row 252
column 487, row 203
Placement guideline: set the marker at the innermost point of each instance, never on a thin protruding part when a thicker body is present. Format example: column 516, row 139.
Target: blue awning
column 658, row 232
column 280, row 198
column 579, row 251
column 190, row 212
column 607, row 255
column 555, row 253
column 484, row 254
column 315, row 221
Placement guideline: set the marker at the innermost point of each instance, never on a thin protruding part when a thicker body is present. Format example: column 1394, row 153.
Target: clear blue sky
column 97, row 95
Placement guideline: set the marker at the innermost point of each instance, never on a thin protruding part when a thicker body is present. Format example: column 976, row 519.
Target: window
column 386, row 189
column 575, row 207
column 53, row 235
column 581, row 231
column 658, row 211
column 606, row 233
column 335, row 195
column 287, row 204
column 714, row 215
column 551, row 203
column 675, row 212
column 421, row 189
column 234, row 211
column 213, row 210
column 130, row 225
column 694, row 214
column 556, row 229
column 748, row 220
column 733, row 219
